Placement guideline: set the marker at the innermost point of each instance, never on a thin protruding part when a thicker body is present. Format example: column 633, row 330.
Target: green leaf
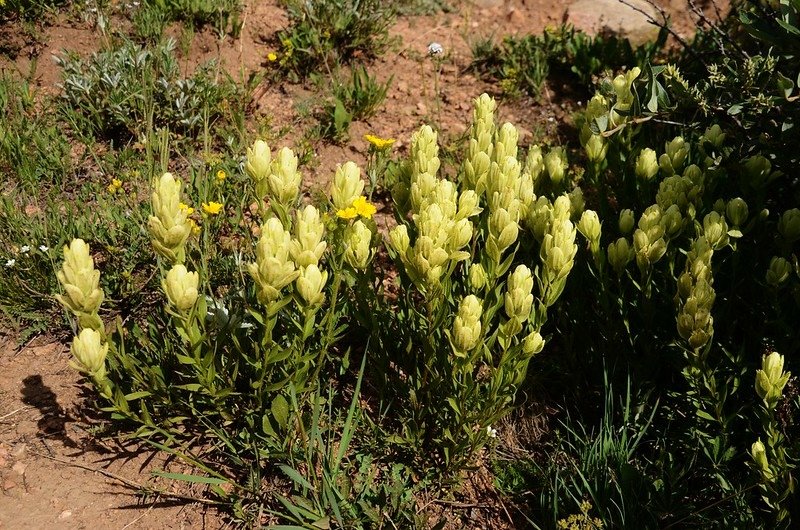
column 296, row 477
column 137, row 395
column 197, row 479
column 280, row 410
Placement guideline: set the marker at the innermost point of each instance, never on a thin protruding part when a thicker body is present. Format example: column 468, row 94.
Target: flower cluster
column 440, row 215
column 696, row 296
column 169, row 226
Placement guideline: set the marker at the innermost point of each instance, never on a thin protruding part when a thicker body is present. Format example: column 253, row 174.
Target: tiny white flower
column 10, row 263
column 435, row 48
column 25, row 249
column 491, row 432
column 44, row 248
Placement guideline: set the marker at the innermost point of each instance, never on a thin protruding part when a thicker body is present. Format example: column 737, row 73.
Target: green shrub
column 322, row 34
column 521, row 65
column 151, row 17
column 354, row 99
column 124, row 92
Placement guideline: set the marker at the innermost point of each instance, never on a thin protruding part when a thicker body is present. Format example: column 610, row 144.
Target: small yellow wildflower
column 186, row 208
column 272, row 57
column 115, row 186
column 364, row 208
column 212, row 208
column 379, row 143
column 221, row 176
column 348, row 213
column 195, row 226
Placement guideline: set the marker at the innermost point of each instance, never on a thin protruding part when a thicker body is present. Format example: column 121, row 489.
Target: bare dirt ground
column 53, row 472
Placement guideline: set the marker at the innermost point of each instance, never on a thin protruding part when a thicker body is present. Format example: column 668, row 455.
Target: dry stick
column 663, row 25
column 127, row 482
column 703, row 19
column 4, row 416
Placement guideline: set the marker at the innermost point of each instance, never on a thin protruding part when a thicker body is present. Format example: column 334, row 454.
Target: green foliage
column 522, row 64
column 119, row 94
column 151, row 17
column 34, row 152
column 356, row 98
column 604, row 465
column 32, row 10
column 325, row 33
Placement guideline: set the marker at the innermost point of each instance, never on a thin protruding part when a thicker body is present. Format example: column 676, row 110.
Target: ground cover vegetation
column 315, row 372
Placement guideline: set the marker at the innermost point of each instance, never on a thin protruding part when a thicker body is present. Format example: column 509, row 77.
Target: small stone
column 421, row 108
column 66, row 514
column 19, row 468
column 9, row 484
column 402, row 86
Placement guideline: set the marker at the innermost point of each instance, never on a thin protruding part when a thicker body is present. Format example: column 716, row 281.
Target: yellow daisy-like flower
column 221, row 175
column 272, row 57
column 115, row 186
column 348, row 213
column 364, row 208
column 378, row 142
column 212, row 208
column 195, row 226
column 186, row 208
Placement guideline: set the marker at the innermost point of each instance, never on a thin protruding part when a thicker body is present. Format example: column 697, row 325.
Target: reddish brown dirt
column 42, row 429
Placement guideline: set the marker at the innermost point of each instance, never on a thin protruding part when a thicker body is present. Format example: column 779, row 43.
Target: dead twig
column 664, row 24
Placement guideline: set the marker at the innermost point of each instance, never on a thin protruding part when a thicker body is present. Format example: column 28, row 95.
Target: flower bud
column 672, row 221
column 310, row 284
column 168, row 226
column 358, row 252
column 460, row 235
column 576, row 203
column 626, row 221
column 398, row 237
column 477, row 277
column 713, row 136
column 273, row 270
column 771, row 379
column 779, row 271
column 596, row 148
column 181, row 288
column 346, row 186
column 467, row 325
column 757, row 169
column 539, row 217
column 737, row 211
column 519, row 297
column 620, row 254
column 503, row 232
column 789, row 225
column 533, row 343
column 425, row 151
column 555, row 162
column 759, row 454
column 505, row 144
column 676, row 152
column 90, row 353
column 646, row 164
column 467, row 205
column 80, row 280
column 715, row 230
column 259, row 160
column 307, row 246
column 284, row 179
column 589, row 226
column 534, row 163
